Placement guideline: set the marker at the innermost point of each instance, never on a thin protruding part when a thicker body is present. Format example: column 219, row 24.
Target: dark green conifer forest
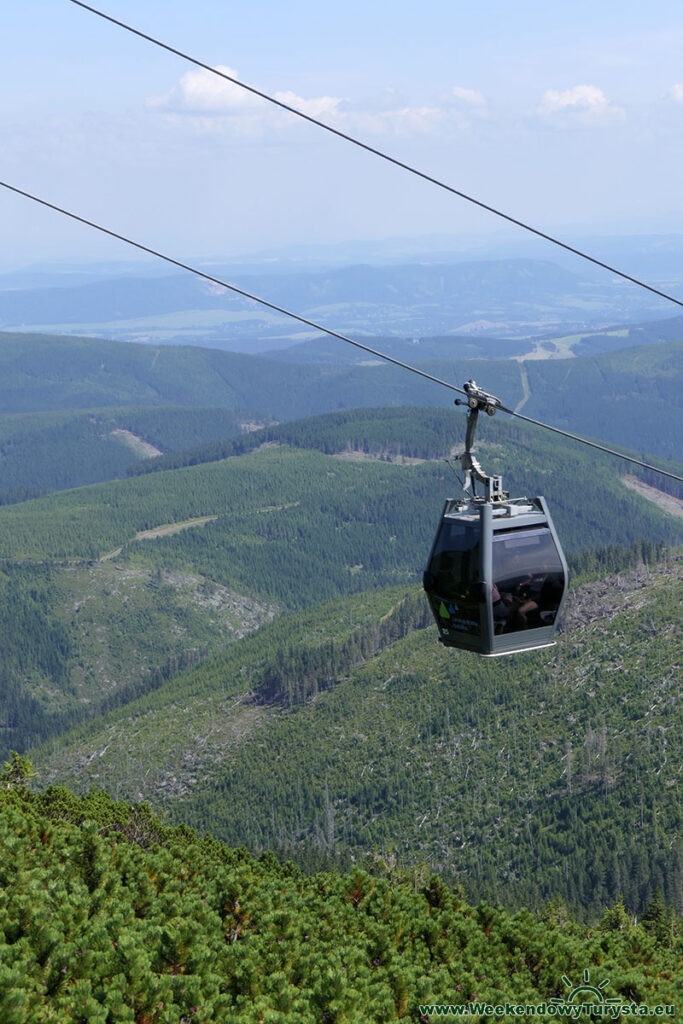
column 108, row 916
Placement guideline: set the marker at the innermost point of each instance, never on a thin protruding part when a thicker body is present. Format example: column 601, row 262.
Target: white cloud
column 394, row 121
column 202, row 92
column 469, row 96
column 210, row 101
column 677, row 92
column 314, row 108
column 587, row 101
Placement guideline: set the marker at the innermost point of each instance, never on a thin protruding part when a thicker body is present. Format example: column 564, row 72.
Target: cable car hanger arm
column 489, row 401
column 478, row 400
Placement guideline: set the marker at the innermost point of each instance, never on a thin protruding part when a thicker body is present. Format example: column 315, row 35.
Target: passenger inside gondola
column 528, row 580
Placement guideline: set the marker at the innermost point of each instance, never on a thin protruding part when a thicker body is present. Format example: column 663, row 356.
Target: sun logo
column 586, row 992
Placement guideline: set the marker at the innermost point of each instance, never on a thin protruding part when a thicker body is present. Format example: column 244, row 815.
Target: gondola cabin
column 496, row 576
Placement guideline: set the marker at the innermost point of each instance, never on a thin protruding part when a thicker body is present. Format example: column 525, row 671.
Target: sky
column 567, row 115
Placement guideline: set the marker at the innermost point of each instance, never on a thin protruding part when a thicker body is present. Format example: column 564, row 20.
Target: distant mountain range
column 494, row 299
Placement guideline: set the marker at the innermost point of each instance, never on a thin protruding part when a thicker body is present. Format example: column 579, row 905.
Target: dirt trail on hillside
column 138, row 444
column 161, row 531
column 169, row 528
column 670, row 504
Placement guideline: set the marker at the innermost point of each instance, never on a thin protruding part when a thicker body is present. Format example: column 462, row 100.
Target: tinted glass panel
column 453, row 578
column 528, row 580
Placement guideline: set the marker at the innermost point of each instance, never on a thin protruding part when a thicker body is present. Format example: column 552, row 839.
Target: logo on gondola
column 452, row 618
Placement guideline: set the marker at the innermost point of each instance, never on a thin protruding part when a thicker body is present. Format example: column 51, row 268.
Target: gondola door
column 454, row 580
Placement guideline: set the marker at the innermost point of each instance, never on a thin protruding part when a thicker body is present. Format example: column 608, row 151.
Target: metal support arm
column 476, row 400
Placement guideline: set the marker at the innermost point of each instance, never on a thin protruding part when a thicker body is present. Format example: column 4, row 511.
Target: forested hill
column 244, row 639
column 401, row 434
column 630, row 397
column 109, row 916
column 106, row 590
column 50, row 451
column 348, row 728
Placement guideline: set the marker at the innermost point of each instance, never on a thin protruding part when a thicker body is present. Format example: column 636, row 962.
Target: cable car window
column 453, row 577
column 528, row 580
column 455, row 562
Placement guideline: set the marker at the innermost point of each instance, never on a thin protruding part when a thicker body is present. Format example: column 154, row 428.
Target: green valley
column 252, row 770
column 234, row 632
column 347, row 731
column 141, row 577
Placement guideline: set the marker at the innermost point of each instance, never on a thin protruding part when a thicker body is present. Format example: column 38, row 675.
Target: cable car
column 496, row 578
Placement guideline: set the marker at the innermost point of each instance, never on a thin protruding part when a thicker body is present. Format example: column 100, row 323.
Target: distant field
column 508, row 298
column 199, row 326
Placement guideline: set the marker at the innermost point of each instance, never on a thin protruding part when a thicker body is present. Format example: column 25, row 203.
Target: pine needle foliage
column 108, row 916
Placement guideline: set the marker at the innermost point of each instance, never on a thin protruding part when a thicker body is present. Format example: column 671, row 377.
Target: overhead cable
column 380, row 153
column 231, row 287
column 321, row 327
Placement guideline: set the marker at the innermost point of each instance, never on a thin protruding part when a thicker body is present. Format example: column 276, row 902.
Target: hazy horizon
column 567, row 116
